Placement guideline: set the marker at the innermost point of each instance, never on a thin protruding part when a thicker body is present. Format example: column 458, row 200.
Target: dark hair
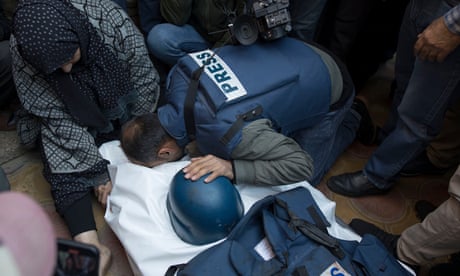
column 142, row 137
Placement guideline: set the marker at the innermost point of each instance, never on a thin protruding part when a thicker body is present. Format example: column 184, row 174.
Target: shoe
column 423, row 208
column 362, row 227
column 353, row 185
column 367, row 133
column 421, row 165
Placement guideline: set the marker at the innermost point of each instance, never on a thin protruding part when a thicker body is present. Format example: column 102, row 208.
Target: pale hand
column 436, row 42
column 102, row 192
column 208, row 164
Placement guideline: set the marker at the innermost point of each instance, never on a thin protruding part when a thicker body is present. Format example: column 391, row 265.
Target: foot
column 421, row 165
column 353, row 185
column 362, row 227
column 105, row 255
column 367, row 132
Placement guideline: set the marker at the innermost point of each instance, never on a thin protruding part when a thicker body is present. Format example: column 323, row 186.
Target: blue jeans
column 424, row 92
column 329, row 138
column 169, row 42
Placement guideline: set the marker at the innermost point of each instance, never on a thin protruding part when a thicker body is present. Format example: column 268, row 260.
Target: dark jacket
column 209, row 17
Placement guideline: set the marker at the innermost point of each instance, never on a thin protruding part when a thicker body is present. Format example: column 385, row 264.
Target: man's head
column 145, row 142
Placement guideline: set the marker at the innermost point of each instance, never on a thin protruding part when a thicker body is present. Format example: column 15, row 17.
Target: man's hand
column 208, row 164
column 102, row 192
column 436, row 42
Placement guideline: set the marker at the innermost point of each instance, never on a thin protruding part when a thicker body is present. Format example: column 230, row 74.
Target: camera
column 268, row 19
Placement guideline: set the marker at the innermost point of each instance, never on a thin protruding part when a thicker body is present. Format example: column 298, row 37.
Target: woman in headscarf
column 81, row 70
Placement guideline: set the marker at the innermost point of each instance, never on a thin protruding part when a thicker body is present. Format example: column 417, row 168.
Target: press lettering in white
column 220, row 73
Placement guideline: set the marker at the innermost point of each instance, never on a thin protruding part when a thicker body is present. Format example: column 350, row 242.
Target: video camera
column 269, row 19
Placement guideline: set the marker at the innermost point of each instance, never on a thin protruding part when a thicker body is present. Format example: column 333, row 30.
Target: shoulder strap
column 189, row 104
column 312, row 231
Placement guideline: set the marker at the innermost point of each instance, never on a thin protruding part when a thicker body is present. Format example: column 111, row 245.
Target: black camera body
column 268, row 19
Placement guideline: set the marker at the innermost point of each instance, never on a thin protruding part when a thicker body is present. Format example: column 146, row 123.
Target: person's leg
column 329, row 138
column 169, row 42
column 439, row 233
column 80, row 221
column 430, row 90
column 149, row 14
column 305, row 16
column 341, row 24
column 444, row 150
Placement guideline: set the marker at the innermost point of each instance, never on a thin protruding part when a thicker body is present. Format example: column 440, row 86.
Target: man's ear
column 169, row 151
column 164, row 152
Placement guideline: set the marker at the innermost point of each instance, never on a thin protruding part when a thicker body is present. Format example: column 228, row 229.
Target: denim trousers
column 325, row 141
column 169, row 42
column 424, row 92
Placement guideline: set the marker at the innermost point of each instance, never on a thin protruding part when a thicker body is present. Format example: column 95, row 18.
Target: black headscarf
column 48, row 33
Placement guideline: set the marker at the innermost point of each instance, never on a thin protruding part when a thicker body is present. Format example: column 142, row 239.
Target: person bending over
column 296, row 134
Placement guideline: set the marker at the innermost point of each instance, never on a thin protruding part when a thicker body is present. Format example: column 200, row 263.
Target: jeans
column 169, row 42
column 325, row 141
column 424, row 92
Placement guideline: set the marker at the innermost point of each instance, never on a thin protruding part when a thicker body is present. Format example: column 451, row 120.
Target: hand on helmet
column 208, row 164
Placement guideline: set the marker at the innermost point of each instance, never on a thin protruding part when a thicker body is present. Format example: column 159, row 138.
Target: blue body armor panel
column 285, row 81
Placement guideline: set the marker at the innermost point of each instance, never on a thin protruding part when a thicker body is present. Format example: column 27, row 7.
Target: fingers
column 199, row 167
column 208, row 164
column 102, row 192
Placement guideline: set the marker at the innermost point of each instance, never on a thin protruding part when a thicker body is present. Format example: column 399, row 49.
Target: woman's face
column 67, row 67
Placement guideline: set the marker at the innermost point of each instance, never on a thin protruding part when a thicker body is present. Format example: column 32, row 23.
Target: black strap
column 173, row 269
column 319, row 221
column 238, row 124
column 312, row 231
column 189, row 104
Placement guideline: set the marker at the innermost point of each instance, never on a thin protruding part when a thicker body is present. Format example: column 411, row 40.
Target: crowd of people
column 77, row 73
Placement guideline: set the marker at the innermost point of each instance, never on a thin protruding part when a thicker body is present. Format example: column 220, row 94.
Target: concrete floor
column 393, row 212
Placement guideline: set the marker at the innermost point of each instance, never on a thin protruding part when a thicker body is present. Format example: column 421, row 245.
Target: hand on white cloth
column 102, row 192
column 211, row 164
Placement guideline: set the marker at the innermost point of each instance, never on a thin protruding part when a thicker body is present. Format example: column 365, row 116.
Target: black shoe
column 362, row 227
column 423, row 208
column 421, row 165
column 367, row 133
column 353, row 185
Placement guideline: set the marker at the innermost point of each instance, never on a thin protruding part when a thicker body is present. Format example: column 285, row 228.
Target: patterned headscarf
column 48, row 33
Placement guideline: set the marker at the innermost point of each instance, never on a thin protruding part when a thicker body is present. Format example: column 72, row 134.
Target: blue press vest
column 284, row 80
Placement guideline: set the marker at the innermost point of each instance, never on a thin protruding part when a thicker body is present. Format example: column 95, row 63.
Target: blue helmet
column 202, row 212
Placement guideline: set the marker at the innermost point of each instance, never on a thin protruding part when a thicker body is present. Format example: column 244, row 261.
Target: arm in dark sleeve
column 266, row 157
column 177, row 12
